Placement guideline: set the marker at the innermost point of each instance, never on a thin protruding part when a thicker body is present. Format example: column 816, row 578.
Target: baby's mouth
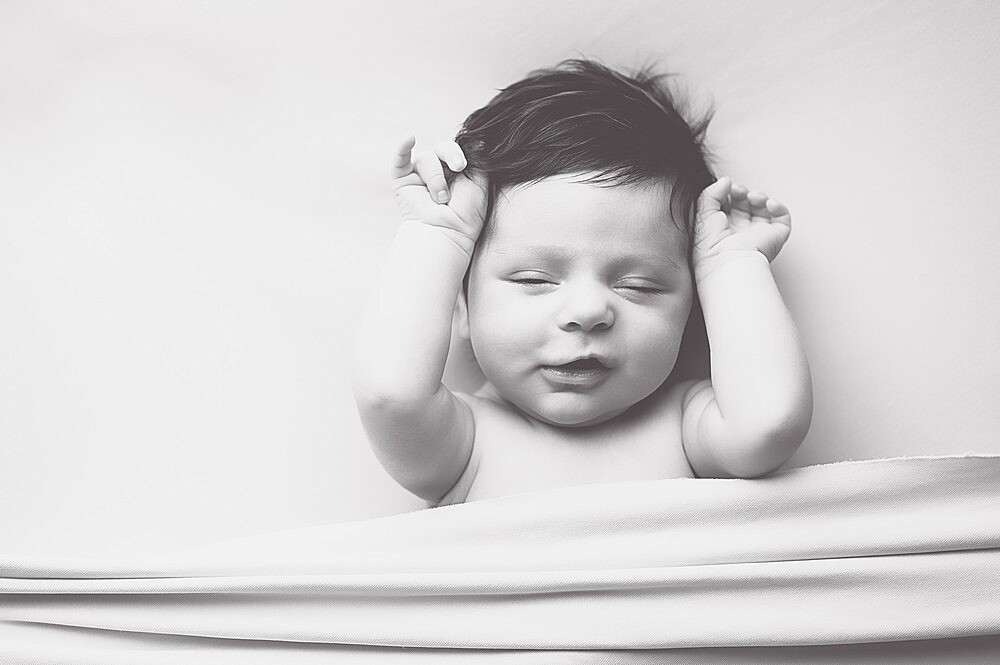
column 582, row 365
column 581, row 372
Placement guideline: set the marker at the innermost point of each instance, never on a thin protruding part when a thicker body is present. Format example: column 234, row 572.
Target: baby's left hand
column 732, row 219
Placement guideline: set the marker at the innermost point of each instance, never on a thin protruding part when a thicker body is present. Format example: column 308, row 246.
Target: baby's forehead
column 567, row 210
column 594, row 180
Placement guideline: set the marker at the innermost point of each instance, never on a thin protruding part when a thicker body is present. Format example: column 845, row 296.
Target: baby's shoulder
column 678, row 395
column 488, row 416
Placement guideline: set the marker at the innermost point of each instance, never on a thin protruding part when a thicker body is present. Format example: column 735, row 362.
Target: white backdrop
column 193, row 205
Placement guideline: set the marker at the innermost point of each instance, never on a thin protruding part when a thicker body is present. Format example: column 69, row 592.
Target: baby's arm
column 756, row 410
column 421, row 433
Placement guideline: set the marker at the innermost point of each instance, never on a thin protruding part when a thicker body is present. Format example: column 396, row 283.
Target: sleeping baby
column 574, row 234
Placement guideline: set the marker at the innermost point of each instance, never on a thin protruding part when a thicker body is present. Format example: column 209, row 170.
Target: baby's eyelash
column 644, row 289
column 535, row 282
column 639, row 292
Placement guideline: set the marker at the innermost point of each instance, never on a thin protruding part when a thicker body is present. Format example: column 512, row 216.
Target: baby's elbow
column 377, row 389
column 759, row 462
column 379, row 386
column 764, row 453
column 387, row 400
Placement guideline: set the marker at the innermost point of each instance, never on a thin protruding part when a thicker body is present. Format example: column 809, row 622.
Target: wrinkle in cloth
column 853, row 560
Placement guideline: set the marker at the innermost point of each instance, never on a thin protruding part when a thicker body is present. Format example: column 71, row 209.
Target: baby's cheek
column 656, row 346
column 497, row 337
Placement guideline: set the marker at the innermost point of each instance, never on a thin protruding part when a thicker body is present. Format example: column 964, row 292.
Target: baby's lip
column 576, row 374
column 581, row 363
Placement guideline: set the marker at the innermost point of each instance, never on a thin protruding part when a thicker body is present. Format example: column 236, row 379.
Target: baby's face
column 579, row 297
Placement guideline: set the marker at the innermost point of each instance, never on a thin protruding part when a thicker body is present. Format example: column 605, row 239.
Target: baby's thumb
column 715, row 197
column 468, row 198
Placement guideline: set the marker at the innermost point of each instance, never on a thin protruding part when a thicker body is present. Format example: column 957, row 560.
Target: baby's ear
column 462, row 372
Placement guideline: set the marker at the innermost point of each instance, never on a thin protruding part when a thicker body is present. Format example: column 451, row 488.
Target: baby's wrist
column 711, row 265
column 428, row 230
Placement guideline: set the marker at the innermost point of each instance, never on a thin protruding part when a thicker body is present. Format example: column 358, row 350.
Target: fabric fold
column 873, row 551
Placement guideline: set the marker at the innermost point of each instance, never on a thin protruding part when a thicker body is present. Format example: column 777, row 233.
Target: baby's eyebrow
column 649, row 257
column 550, row 252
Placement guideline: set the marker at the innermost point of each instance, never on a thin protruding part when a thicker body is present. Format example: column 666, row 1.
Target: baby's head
column 580, row 289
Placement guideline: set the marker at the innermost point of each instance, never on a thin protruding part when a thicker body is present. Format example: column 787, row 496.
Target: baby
column 578, row 228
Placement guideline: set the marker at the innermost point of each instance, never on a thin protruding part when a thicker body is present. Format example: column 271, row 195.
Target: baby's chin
column 572, row 416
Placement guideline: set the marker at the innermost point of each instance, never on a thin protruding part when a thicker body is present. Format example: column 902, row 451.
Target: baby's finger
column 779, row 212
column 715, row 197
column 451, row 154
column 429, row 167
column 758, row 203
column 401, row 164
column 738, row 198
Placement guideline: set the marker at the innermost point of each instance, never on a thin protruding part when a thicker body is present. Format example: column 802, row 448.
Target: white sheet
column 857, row 552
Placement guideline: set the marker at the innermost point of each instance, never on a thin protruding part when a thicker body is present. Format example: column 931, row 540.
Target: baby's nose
column 586, row 308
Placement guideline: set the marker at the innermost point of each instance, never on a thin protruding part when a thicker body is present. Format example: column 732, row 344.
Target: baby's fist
column 422, row 191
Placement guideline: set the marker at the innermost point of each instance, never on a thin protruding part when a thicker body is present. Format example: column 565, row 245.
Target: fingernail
column 443, row 196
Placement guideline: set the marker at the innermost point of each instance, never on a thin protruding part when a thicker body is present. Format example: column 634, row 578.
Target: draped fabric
column 851, row 560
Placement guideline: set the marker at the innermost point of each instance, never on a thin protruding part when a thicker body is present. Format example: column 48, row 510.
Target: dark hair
column 583, row 117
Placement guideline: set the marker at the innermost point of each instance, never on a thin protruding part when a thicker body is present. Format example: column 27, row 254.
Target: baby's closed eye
column 533, row 279
column 630, row 288
column 640, row 286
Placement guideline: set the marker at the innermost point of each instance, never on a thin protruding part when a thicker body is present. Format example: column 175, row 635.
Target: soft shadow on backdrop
column 193, row 206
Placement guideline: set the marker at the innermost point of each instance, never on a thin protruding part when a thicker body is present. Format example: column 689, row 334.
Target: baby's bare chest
column 517, row 455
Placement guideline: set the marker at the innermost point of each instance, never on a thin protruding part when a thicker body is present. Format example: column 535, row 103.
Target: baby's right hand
column 422, row 191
